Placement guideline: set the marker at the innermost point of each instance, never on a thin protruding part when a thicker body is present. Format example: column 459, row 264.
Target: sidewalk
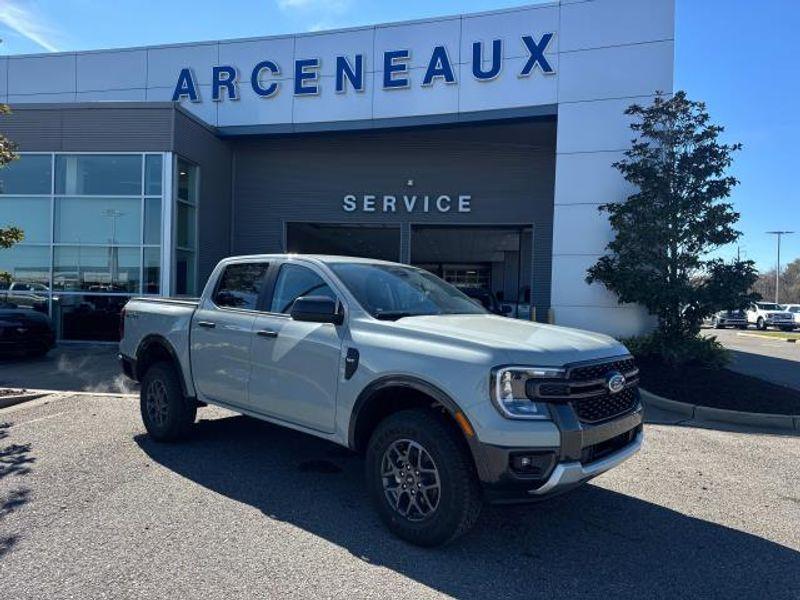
column 69, row 368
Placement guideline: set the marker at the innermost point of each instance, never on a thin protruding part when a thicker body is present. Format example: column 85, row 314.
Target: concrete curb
column 22, row 396
column 769, row 337
column 735, row 417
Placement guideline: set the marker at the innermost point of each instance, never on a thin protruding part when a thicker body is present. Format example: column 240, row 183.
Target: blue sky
column 737, row 55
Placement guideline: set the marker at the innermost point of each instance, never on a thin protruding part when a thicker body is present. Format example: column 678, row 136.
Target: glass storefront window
column 185, row 226
column 184, row 273
column 99, row 174
column 32, row 215
column 187, row 181
column 88, row 317
column 152, row 270
column 96, row 269
column 152, row 221
column 94, row 235
column 152, row 174
column 26, row 264
column 98, row 220
column 29, row 174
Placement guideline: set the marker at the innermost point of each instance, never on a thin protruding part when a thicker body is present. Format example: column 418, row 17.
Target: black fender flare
column 155, row 339
column 401, row 381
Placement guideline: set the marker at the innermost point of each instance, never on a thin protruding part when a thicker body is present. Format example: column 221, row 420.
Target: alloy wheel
column 157, row 403
column 410, row 480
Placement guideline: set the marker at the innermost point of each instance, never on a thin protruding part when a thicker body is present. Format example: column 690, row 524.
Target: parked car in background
column 729, row 318
column 795, row 310
column 451, row 405
column 769, row 314
column 487, row 299
column 24, row 331
column 25, row 294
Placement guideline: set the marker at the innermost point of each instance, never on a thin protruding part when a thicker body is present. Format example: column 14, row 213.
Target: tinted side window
column 295, row 281
column 241, row 285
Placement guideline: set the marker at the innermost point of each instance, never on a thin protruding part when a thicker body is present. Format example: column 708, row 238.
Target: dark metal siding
column 508, row 169
column 199, row 144
column 90, row 128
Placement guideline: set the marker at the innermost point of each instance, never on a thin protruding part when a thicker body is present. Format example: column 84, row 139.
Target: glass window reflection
column 88, row 317
column 152, row 174
column 96, row 269
column 32, row 215
column 99, row 174
column 28, row 174
column 98, row 220
column 152, row 270
column 26, row 264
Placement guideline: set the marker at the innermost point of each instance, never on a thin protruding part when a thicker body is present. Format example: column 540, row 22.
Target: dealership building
column 477, row 146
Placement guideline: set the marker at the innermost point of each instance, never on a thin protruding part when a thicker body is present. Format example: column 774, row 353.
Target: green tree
column 667, row 230
column 8, row 235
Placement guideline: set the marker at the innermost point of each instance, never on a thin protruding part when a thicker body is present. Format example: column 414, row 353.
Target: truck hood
column 517, row 341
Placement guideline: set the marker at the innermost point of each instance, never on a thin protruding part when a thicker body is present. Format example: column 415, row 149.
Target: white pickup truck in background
column 767, row 314
column 450, row 404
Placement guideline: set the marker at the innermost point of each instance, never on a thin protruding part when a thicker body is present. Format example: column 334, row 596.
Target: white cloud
column 317, row 14
column 17, row 16
column 327, row 6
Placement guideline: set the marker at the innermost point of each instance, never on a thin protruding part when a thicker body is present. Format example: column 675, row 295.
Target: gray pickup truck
column 451, row 405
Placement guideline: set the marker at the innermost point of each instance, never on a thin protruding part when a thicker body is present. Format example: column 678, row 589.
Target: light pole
column 779, row 234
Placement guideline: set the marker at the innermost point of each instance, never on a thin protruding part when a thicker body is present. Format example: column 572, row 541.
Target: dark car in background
column 729, row 318
column 487, row 299
column 24, row 331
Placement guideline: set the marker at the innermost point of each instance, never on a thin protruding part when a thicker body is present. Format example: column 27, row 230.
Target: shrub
column 677, row 352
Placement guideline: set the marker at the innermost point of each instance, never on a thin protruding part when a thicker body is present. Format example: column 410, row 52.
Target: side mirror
column 317, row 309
column 506, row 309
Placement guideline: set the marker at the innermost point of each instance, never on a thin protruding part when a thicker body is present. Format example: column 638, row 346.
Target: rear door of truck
column 222, row 333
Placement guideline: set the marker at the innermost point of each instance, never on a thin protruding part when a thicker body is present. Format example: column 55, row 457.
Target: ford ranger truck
column 452, row 406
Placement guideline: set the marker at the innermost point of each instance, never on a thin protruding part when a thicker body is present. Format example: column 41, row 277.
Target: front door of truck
column 295, row 365
column 221, row 333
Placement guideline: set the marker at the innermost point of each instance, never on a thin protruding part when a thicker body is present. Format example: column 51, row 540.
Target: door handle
column 206, row 324
column 267, row 333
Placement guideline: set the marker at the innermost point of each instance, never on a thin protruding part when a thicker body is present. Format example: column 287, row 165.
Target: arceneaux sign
column 351, row 72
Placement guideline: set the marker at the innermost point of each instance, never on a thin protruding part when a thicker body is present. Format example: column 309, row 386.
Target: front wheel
column 761, row 325
column 421, row 478
column 166, row 413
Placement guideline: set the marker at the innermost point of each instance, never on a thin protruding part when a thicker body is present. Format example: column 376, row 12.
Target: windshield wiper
column 394, row 315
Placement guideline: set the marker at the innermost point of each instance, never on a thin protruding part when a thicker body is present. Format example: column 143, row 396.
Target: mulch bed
column 718, row 388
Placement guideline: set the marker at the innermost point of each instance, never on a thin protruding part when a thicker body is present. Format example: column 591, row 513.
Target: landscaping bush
column 657, row 348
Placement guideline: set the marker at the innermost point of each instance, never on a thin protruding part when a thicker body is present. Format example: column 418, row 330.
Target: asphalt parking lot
column 772, row 359
column 92, row 508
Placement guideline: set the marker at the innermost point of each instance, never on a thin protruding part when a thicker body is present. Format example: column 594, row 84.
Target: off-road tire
column 460, row 501
column 178, row 413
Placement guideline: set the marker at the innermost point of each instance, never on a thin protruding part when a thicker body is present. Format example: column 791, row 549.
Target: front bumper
column 585, row 451
column 570, row 474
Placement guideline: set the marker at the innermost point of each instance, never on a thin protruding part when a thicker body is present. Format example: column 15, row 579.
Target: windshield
column 765, row 306
column 392, row 292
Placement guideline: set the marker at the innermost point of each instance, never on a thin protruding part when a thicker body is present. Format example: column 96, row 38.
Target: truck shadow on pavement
column 590, row 543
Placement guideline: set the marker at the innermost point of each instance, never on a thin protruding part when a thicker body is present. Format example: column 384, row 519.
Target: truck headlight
column 508, row 389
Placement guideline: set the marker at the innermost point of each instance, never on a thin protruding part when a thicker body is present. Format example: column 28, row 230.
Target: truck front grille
column 585, row 388
column 594, row 410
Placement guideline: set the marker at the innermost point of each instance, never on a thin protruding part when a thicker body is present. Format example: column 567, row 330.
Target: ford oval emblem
column 615, row 381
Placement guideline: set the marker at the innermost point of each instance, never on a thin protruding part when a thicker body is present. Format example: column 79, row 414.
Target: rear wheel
column 421, row 478
column 166, row 413
column 761, row 325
